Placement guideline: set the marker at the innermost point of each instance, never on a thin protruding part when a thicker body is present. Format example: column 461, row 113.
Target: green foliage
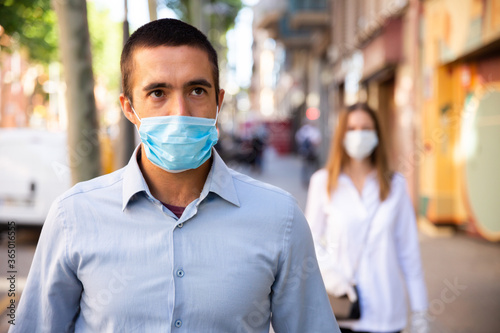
column 180, row 8
column 31, row 23
column 106, row 38
column 225, row 13
column 220, row 13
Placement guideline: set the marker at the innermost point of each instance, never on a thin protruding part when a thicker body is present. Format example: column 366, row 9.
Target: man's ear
column 221, row 98
column 127, row 110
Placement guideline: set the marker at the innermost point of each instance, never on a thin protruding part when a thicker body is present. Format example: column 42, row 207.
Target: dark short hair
column 165, row 32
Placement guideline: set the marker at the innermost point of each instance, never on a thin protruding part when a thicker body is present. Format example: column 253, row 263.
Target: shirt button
column 178, row 323
column 180, row 273
column 180, row 225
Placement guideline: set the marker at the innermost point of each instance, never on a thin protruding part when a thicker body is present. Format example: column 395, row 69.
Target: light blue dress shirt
column 112, row 258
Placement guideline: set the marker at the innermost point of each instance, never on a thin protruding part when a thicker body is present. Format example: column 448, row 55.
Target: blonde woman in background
column 364, row 228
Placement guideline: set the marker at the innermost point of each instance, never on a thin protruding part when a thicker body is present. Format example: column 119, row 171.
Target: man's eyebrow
column 200, row 82
column 155, row 85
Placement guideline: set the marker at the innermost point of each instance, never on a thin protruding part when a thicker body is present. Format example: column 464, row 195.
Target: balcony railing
column 309, row 13
column 292, row 37
column 312, row 5
column 268, row 13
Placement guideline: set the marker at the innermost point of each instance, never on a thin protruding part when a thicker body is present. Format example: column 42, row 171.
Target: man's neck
column 178, row 189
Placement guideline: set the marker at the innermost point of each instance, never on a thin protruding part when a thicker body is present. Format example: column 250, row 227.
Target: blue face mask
column 178, row 143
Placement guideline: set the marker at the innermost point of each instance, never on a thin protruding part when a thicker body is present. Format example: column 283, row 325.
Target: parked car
column 34, row 170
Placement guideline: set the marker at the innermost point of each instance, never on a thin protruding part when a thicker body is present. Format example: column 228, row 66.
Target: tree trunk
column 196, row 15
column 126, row 136
column 152, row 10
column 83, row 141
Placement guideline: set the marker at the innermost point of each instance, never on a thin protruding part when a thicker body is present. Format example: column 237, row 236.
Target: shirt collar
column 219, row 180
column 133, row 180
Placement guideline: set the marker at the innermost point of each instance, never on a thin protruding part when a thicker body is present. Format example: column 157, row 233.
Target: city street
column 462, row 273
column 275, row 86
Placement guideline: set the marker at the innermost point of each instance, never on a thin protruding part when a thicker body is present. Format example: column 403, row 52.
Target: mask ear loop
column 132, row 107
column 217, row 113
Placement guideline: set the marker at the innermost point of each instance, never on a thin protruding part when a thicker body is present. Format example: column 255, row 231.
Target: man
column 308, row 139
column 175, row 241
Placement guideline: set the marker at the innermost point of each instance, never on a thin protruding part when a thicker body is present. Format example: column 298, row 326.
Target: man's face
column 171, row 80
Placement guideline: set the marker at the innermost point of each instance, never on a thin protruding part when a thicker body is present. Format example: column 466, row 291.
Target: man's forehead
column 165, row 49
column 159, row 60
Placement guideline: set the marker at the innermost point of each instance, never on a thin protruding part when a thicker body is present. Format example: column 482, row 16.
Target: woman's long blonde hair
column 338, row 157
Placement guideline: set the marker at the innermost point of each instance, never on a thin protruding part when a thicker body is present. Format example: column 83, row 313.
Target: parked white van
column 34, row 170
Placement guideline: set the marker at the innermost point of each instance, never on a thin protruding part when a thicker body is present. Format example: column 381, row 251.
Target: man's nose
column 179, row 106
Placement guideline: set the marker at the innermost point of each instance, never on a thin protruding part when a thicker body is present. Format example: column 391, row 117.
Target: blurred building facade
column 31, row 95
column 291, row 74
column 430, row 68
column 460, row 113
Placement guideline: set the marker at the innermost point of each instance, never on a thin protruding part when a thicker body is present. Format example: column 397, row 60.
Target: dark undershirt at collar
column 175, row 209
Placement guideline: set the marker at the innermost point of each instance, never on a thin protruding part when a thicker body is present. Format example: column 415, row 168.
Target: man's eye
column 198, row 91
column 157, row 93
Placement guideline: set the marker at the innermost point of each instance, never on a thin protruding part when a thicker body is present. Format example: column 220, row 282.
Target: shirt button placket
column 180, row 274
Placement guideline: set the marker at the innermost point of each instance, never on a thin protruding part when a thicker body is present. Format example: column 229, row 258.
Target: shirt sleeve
column 299, row 301
column 50, row 300
column 409, row 253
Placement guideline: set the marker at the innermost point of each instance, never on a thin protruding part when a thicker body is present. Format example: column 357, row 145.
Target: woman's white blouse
column 388, row 257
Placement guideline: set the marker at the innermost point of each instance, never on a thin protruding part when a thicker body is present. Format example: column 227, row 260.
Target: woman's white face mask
column 359, row 144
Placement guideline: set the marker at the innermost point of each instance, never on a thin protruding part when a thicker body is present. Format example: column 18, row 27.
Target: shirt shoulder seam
column 79, row 190
column 271, row 188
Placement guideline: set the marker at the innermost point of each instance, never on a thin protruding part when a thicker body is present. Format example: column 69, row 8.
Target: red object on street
column 279, row 136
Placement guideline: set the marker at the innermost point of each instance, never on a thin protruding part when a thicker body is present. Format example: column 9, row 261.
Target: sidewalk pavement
column 462, row 273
